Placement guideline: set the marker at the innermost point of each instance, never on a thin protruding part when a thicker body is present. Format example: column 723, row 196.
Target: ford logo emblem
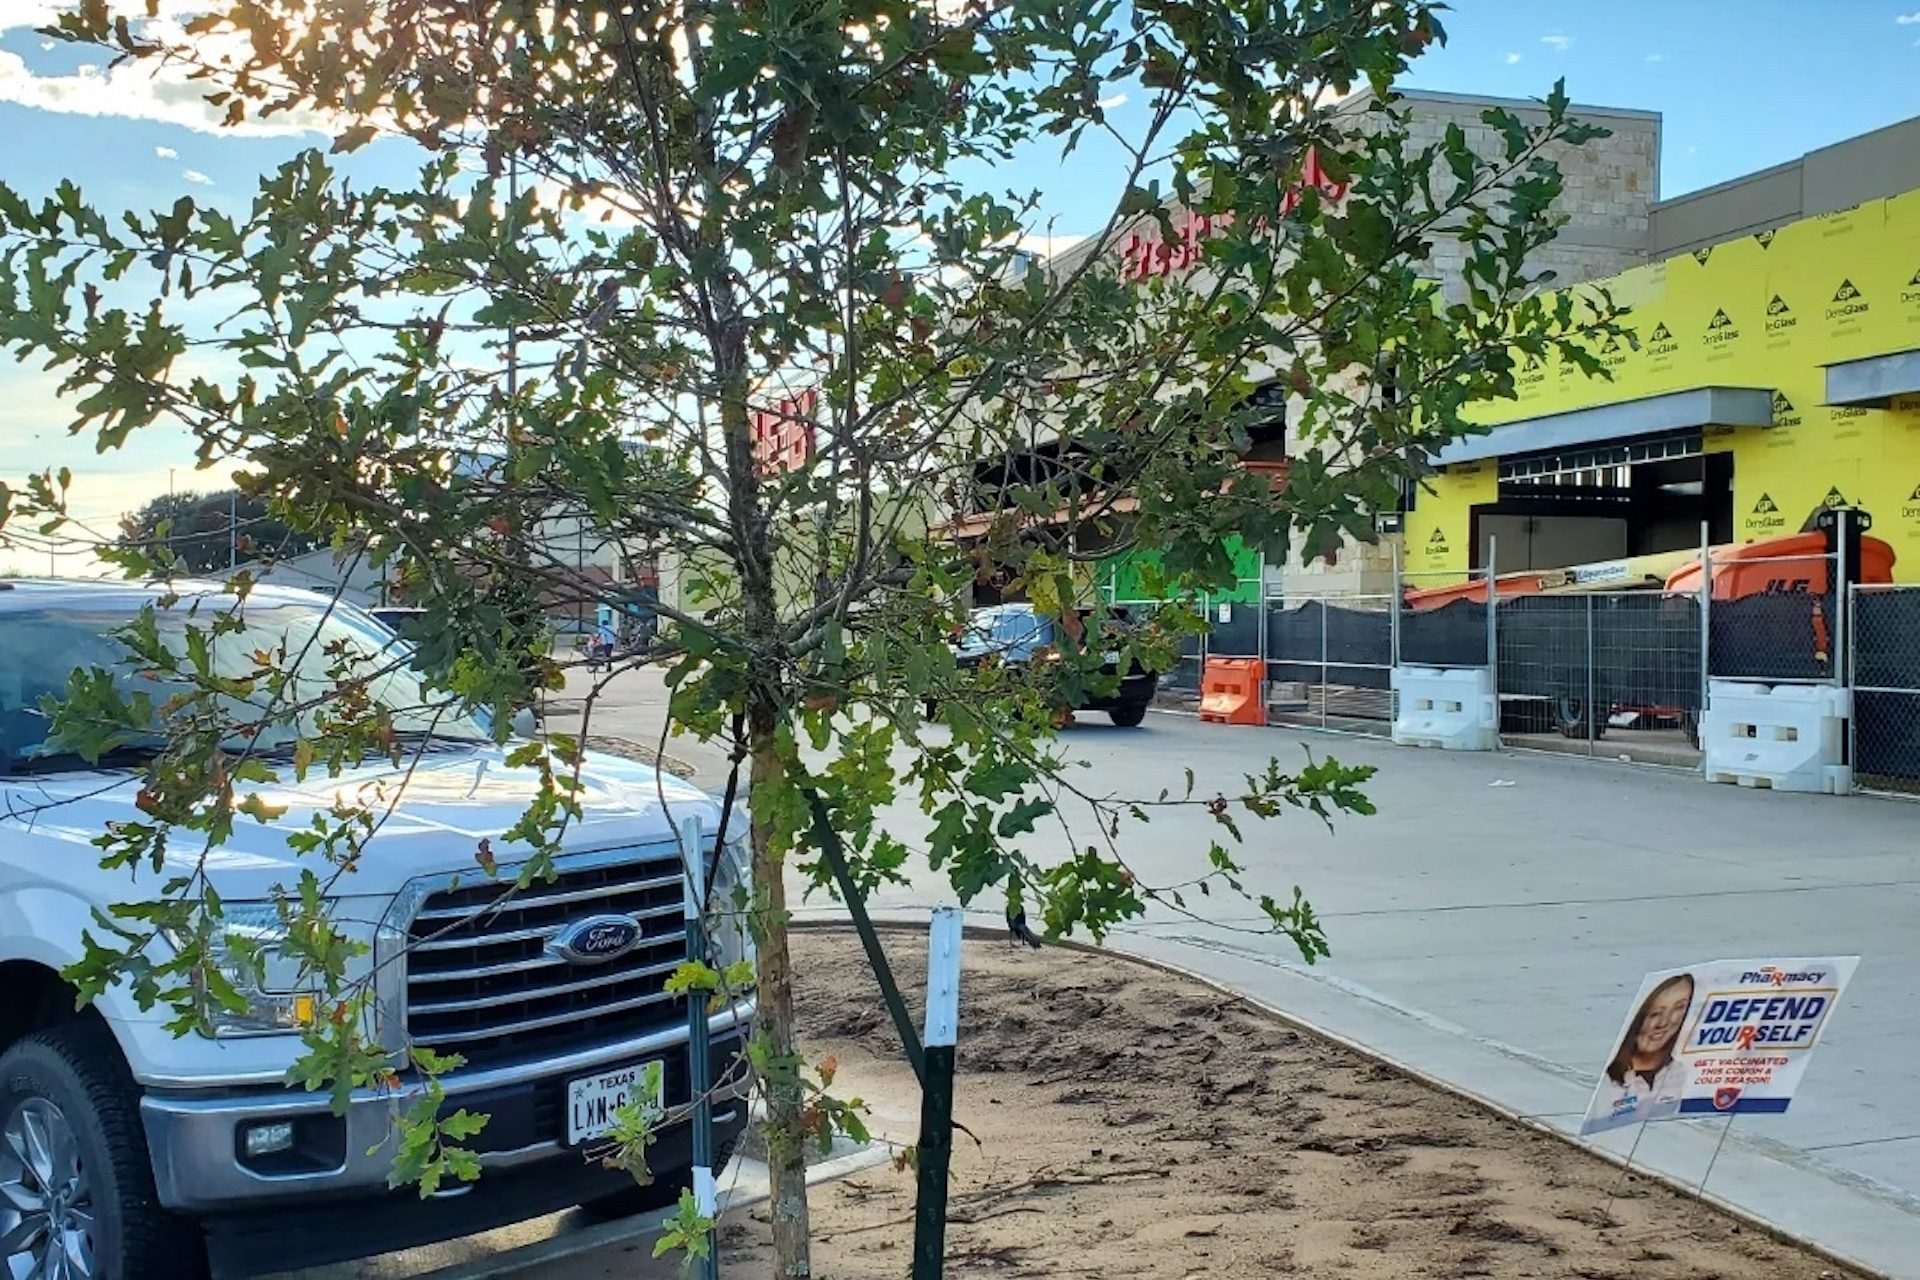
column 596, row 939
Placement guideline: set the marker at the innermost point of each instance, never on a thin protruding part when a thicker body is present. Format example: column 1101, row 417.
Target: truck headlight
column 278, row 998
column 246, row 949
column 730, row 901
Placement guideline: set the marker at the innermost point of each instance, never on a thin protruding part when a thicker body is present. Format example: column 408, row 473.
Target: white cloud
column 33, row 437
column 136, row 91
column 1117, row 100
column 1656, row 57
column 196, row 177
column 15, row 14
column 166, row 153
column 1562, row 43
column 104, row 491
column 1513, row 59
column 27, row 13
column 1908, row 19
column 145, row 89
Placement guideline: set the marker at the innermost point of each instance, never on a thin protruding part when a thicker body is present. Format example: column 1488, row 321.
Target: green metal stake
column 831, row 849
column 936, row 1094
column 932, row 1061
column 693, row 857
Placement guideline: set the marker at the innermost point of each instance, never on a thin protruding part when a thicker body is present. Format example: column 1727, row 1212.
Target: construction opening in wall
column 1604, row 501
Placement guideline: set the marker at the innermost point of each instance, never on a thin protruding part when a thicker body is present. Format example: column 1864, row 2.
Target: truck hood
column 441, row 809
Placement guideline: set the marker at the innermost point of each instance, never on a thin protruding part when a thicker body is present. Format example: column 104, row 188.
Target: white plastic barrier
column 1452, row 708
column 1790, row 737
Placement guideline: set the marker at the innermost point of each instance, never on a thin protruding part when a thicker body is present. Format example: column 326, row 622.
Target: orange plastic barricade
column 1230, row 692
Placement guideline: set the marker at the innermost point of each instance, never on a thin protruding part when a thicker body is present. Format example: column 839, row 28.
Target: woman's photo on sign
column 1645, row 1078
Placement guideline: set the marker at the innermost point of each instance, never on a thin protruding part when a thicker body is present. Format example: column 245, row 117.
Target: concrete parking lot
column 1491, row 922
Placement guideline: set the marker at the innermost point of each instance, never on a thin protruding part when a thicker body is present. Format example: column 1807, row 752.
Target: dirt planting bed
column 1131, row 1123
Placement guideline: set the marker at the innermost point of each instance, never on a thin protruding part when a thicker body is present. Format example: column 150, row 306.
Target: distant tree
column 195, row 528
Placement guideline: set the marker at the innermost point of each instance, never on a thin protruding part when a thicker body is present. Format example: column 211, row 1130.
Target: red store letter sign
column 1142, row 258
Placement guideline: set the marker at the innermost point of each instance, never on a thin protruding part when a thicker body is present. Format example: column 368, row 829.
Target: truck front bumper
column 290, row 1235
column 197, row 1139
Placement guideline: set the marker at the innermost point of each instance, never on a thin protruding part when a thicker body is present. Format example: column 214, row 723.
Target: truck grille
column 481, row 982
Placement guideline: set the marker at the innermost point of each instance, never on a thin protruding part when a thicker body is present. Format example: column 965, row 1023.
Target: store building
column 1608, row 201
column 1775, row 370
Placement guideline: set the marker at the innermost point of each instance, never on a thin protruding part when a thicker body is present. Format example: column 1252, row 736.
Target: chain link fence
column 1234, row 629
column 1775, row 619
column 1884, row 638
column 1233, row 626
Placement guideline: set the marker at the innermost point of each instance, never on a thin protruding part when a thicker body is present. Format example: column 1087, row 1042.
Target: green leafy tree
column 634, row 227
column 209, row 532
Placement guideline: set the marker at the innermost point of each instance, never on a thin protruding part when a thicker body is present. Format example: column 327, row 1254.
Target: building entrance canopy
column 1873, row 382
column 1626, row 419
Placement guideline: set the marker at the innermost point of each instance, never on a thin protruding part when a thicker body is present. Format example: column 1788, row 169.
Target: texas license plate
column 594, row 1101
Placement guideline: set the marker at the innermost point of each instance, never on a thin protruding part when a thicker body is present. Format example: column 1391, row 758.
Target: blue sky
column 1741, row 84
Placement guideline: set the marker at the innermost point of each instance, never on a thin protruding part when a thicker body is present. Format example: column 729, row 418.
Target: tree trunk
column 756, row 548
column 786, row 1143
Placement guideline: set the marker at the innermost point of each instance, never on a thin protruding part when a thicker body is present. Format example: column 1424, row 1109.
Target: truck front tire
column 76, row 1186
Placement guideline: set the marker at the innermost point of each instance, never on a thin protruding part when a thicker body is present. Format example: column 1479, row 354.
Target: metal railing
column 1619, row 668
column 1605, row 672
column 1447, row 624
column 1182, row 680
column 1883, row 657
column 1329, row 659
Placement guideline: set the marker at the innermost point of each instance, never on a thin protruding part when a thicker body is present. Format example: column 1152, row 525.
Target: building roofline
column 1786, row 166
column 1582, row 109
column 1728, row 184
column 1906, row 123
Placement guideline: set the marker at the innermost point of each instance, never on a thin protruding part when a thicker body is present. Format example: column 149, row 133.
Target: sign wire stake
column 1626, row 1171
column 1731, row 1117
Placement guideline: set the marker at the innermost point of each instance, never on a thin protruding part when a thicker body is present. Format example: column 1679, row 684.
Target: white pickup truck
column 128, row 1153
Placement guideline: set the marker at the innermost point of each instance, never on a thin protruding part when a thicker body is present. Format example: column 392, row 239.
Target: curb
column 642, row 1227
column 1746, row 1217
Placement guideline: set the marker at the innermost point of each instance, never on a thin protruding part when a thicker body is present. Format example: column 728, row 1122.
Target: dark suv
column 1016, row 635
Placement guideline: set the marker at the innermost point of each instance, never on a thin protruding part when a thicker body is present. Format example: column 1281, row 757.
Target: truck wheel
column 76, row 1189
column 661, row 1193
column 1129, row 716
column 1574, row 718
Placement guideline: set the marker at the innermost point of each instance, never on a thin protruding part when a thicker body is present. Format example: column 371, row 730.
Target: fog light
column 265, row 1139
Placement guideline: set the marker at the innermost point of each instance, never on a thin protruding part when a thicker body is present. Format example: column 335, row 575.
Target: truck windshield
column 40, row 648
column 1001, row 629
